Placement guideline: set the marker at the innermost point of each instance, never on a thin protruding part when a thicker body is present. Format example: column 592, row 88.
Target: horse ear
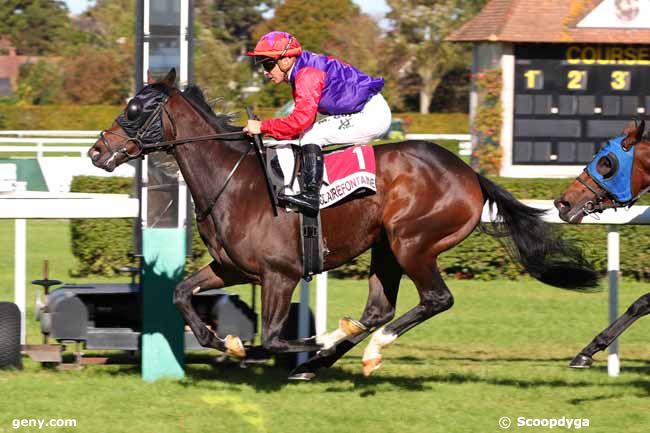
column 170, row 79
column 633, row 133
column 150, row 78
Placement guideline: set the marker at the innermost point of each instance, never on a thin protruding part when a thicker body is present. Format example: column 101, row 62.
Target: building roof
column 551, row 21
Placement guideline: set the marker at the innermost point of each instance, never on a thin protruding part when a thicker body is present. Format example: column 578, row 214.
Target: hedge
column 101, row 246
column 96, row 117
column 58, row 117
column 482, row 257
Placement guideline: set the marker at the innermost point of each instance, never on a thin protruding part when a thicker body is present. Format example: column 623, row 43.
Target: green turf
column 502, row 350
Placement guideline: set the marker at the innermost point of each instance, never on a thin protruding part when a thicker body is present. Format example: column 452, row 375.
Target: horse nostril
column 562, row 206
column 93, row 154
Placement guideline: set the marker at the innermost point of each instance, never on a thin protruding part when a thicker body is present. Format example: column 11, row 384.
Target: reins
column 200, row 216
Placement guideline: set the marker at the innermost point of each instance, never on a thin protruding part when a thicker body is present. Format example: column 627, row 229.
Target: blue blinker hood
column 619, row 182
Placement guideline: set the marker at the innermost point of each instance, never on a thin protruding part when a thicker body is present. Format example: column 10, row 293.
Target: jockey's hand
column 253, row 127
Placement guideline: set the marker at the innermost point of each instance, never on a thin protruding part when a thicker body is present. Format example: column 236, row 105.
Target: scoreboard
column 570, row 99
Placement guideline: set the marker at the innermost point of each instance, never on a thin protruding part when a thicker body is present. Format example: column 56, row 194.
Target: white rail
column 42, row 146
column 48, row 133
column 34, row 205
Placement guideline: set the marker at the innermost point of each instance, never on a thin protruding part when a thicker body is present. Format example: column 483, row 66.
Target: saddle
column 349, row 173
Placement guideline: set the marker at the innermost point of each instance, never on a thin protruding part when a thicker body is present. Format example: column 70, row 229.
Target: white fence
column 42, row 142
column 32, row 205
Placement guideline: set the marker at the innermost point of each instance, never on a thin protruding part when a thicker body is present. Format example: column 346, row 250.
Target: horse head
column 616, row 177
column 139, row 124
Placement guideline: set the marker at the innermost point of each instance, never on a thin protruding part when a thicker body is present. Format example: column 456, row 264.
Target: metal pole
column 321, row 303
column 613, row 245
column 20, row 274
column 184, row 44
column 303, row 317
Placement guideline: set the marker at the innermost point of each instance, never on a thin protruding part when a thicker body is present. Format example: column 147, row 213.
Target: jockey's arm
column 309, row 85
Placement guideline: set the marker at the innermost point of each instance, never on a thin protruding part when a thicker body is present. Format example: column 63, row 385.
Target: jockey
column 355, row 110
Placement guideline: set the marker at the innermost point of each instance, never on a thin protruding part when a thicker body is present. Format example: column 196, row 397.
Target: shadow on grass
column 270, row 378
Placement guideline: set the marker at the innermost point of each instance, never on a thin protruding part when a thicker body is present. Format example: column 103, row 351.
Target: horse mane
column 220, row 121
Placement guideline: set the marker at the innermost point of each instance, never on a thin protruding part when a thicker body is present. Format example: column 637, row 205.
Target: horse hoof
column 305, row 377
column 351, row 327
column 370, row 365
column 581, row 361
column 235, row 347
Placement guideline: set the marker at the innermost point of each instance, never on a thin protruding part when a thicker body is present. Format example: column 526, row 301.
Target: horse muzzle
column 569, row 213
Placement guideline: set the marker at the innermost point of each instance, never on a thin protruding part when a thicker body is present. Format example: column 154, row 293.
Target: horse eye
column 133, row 110
column 606, row 166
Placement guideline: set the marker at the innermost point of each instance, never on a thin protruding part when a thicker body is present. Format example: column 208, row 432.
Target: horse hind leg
column 435, row 298
column 385, row 275
column 639, row 308
column 208, row 277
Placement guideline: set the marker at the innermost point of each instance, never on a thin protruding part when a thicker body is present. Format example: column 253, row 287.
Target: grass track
column 501, row 351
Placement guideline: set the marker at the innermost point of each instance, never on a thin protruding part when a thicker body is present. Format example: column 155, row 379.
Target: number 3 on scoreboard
column 620, row 80
column 577, row 80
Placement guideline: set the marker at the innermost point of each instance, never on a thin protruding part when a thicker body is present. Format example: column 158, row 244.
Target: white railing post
column 613, row 249
column 20, row 272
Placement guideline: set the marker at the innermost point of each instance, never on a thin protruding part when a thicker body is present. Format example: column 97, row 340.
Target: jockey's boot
column 308, row 201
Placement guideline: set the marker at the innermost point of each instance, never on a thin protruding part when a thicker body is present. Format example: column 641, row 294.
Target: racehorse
column 427, row 201
column 616, row 177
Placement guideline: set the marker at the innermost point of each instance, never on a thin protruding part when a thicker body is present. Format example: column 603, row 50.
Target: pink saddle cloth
column 348, row 172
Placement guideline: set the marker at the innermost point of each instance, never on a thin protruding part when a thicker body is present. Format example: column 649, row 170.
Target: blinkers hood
column 618, row 182
column 148, row 101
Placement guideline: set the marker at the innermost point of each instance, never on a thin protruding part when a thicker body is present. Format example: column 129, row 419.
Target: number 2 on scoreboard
column 577, row 80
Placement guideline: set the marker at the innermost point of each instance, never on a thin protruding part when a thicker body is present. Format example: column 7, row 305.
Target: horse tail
column 536, row 244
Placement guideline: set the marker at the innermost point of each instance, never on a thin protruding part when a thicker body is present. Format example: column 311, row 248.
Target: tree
column 40, row 83
column 103, row 68
column 96, row 76
column 419, row 30
column 232, row 21
column 333, row 27
column 310, row 22
column 37, row 27
column 215, row 69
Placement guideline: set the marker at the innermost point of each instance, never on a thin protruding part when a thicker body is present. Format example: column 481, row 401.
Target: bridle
column 143, row 148
column 596, row 205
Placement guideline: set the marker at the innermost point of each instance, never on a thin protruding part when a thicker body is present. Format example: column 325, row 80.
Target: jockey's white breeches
column 356, row 128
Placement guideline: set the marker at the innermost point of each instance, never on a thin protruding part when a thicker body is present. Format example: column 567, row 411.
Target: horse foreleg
column 435, row 298
column 385, row 275
column 639, row 308
column 276, row 302
column 208, row 277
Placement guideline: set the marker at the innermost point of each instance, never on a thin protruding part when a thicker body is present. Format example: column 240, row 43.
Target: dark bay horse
column 428, row 201
column 618, row 175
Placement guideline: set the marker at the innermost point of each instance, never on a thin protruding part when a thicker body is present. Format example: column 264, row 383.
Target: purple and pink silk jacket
column 325, row 85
